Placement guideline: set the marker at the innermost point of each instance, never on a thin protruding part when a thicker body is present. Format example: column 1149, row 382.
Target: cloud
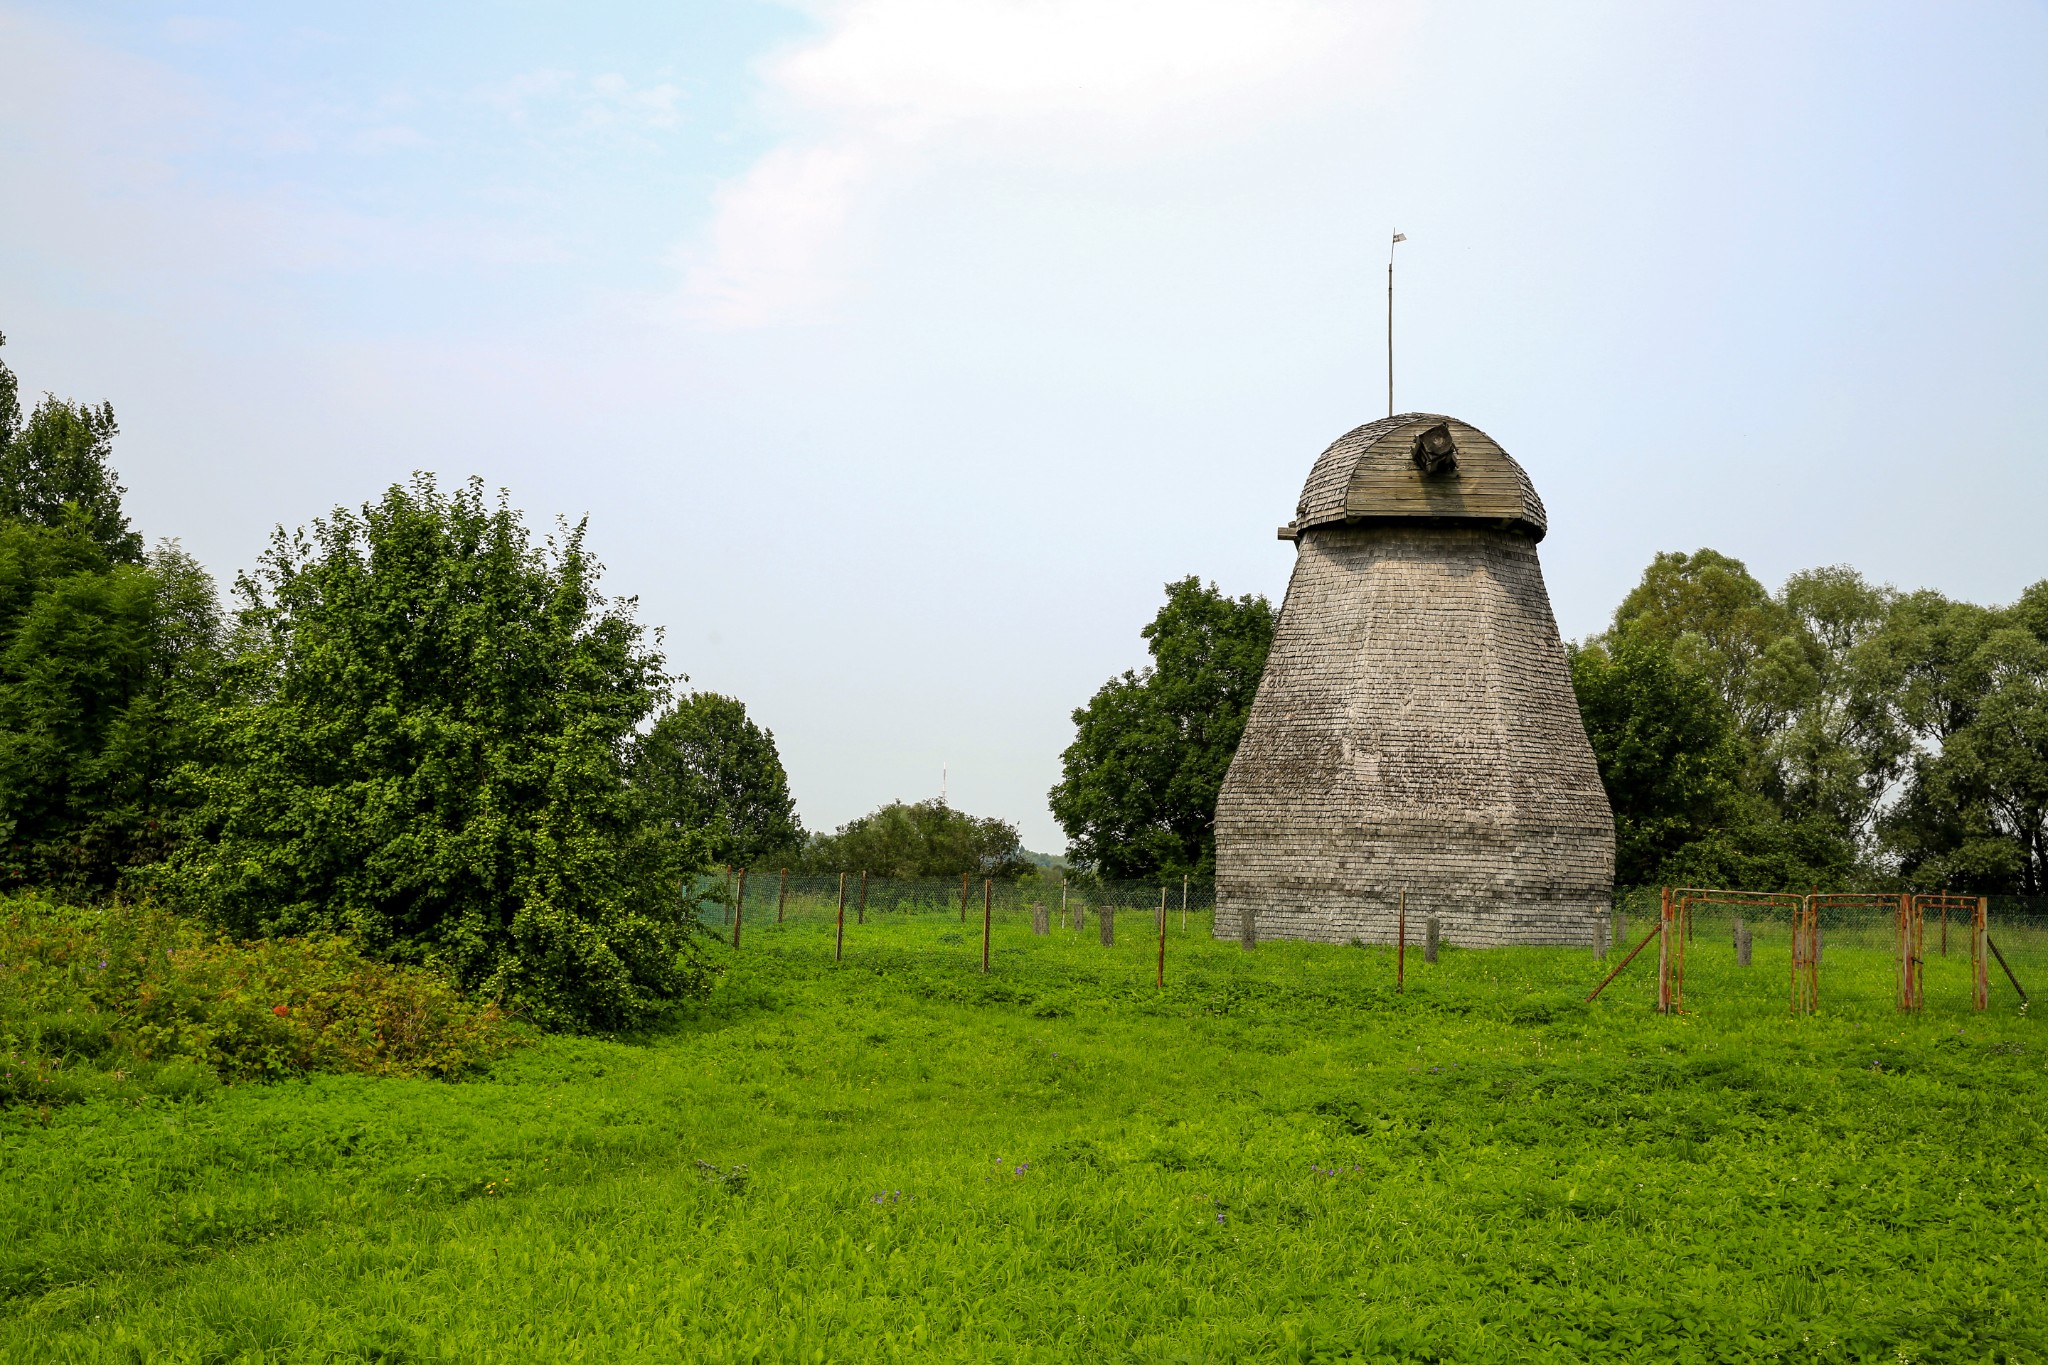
column 890, row 87
column 573, row 102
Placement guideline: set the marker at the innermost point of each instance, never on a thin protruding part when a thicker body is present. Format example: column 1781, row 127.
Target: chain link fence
column 771, row 895
column 1737, row 954
column 1744, row 951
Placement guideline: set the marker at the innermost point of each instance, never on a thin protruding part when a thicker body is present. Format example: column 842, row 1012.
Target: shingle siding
column 1415, row 730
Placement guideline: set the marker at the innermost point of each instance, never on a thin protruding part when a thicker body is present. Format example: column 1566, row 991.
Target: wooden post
column 1429, row 939
column 860, row 914
column 1161, row 982
column 987, row 913
column 1247, row 929
column 739, row 908
column 1910, row 930
column 1600, row 939
column 1183, row 905
column 1040, row 921
column 782, row 896
column 1105, row 923
column 839, row 942
column 1401, row 945
column 1063, row 902
column 1744, row 940
column 1664, row 952
column 1980, row 967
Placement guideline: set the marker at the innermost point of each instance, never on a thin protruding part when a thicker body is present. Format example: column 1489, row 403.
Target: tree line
column 413, row 722
column 1835, row 732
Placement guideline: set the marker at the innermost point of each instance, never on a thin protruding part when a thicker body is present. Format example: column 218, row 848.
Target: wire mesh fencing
column 774, row 896
column 1725, row 951
column 1834, row 950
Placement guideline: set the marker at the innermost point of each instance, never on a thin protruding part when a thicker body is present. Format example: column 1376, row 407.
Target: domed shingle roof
column 1375, row 473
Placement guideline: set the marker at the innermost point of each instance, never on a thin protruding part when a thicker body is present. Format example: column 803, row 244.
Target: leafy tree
column 10, row 402
column 714, row 775
column 54, row 469
column 103, row 658
column 1665, row 740
column 1972, row 691
column 1137, row 796
column 1670, row 755
column 425, row 743
column 1840, row 753
column 925, row 839
column 103, row 669
column 1719, row 621
column 1814, row 749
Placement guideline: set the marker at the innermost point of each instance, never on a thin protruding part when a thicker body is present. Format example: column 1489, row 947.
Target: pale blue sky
column 900, row 350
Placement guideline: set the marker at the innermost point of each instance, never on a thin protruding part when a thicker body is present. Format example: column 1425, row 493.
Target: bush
column 422, row 743
column 100, row 1000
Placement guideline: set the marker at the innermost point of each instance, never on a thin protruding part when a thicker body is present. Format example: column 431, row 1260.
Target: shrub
column 422, row 743
column 95, row 1000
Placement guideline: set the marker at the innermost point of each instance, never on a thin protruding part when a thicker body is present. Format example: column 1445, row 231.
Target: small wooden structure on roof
column 1415, row 729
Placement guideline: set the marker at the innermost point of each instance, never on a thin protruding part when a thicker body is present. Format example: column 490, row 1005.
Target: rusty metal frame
column 1805, row 997
column 1685, row 898
column 1980, row 965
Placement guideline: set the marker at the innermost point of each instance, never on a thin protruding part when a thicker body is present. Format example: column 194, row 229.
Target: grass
column 1276, row 1158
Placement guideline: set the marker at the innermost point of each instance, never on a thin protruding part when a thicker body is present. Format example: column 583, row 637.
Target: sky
column 900, row 351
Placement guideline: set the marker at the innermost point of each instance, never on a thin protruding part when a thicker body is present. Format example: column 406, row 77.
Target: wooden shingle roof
column 1371, row 474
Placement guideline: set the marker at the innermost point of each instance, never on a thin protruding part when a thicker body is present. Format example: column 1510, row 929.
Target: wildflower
column 281, row 1011
column 103, row 964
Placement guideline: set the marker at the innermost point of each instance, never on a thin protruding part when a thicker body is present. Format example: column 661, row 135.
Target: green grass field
column 1275, row 1158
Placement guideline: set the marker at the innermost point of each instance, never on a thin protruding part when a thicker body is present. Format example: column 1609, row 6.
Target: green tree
column 1671, row 757
column 1722, row 623
column 55, row 470
column 104, row 656
column 924, row 839
column 1972, row 691
column 1665, row 740
column 425, row 743
column 104, row 667
column 1816, row 753
column 715, row 777
column 1137, row 795
column 1840, row 753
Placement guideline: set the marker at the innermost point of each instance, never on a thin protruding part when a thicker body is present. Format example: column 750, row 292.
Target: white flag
column 1400, row 236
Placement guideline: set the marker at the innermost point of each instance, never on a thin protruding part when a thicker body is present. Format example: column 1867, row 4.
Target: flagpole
column 1398, row 237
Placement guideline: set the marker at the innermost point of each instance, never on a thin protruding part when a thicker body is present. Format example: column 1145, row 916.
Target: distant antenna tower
column 942, row 784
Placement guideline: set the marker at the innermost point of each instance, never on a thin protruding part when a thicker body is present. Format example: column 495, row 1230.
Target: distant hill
column 1057, row 861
